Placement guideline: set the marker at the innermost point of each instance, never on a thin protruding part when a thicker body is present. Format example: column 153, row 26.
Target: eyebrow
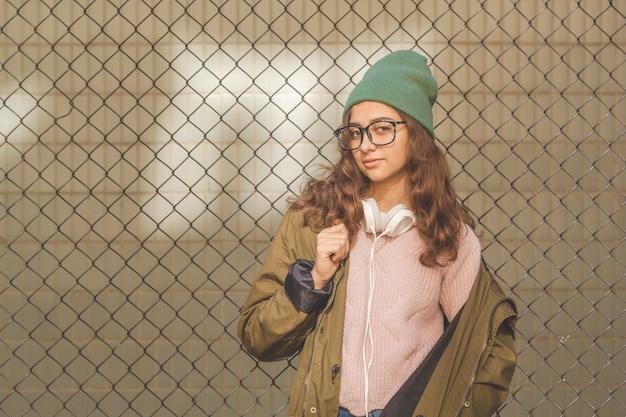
column 378, row 119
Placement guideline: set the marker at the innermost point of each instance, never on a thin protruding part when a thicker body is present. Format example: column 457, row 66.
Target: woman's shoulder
column 468, row 237
column 469, row 248
column 293, row 218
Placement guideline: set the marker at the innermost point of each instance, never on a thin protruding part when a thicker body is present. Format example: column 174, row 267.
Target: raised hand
column 333, row 246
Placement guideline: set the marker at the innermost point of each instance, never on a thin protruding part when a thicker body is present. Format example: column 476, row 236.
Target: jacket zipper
column 482, row 351
column 317, row 326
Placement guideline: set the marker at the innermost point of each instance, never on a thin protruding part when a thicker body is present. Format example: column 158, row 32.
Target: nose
column 366, row 144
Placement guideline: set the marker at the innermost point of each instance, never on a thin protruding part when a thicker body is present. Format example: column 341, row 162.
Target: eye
column 382, row 128
column 354, row 132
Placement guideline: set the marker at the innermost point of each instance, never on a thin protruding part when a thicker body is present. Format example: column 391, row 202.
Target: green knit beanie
column 403, row 81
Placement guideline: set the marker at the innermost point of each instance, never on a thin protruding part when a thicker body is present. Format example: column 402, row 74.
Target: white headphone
column 399, row 219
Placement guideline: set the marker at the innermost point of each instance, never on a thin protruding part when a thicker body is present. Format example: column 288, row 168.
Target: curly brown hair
column 336, row 197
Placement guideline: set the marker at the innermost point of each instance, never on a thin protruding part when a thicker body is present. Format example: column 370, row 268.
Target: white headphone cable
column 368, row 331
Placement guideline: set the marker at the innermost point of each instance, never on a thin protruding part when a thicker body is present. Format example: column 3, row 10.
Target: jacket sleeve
column 281, row 310
column 299, row 285
column 491, row 385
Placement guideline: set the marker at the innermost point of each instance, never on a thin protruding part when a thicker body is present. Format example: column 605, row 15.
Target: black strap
column 403, row 403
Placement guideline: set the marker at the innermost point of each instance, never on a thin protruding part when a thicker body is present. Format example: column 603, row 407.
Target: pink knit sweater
column 405, row 313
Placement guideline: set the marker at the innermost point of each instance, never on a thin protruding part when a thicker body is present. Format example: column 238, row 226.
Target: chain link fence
column 147, row 148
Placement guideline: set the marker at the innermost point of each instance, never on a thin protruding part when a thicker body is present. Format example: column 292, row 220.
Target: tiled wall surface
column 147, row 149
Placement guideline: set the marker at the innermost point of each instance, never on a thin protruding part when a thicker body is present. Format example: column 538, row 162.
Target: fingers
column 333, row 245
column 333, row 242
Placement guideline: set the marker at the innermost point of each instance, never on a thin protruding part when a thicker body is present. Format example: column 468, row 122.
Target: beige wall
column 146, row 152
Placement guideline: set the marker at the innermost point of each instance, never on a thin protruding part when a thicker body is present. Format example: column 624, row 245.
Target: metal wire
column 147, row 148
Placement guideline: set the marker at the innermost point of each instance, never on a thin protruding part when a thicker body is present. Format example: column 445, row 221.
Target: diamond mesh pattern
column 147, row 149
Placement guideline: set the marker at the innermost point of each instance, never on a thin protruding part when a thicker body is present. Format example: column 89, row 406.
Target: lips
column 371, row 162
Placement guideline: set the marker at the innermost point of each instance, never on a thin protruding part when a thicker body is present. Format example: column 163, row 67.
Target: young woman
column 375, row 276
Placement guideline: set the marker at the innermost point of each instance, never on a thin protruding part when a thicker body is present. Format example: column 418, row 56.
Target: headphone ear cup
column 397, row 221
column 371, row 216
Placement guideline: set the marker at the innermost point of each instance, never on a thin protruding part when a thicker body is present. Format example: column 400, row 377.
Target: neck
column 387, row 198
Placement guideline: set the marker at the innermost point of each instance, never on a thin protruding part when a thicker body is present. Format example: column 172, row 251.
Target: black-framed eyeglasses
column 380, row 133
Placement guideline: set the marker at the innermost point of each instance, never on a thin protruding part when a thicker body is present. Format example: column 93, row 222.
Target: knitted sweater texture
column 388, row 334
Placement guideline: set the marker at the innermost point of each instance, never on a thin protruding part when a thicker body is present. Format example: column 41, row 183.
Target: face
column 383, row 165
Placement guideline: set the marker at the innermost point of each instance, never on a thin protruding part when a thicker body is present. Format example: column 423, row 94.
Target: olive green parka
column 472, row 375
